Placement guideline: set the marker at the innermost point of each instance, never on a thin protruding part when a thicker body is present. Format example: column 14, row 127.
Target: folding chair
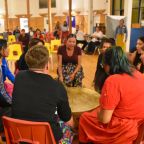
column 15, row 51
column 28, row 132
column 55, row 43
column 11, row 39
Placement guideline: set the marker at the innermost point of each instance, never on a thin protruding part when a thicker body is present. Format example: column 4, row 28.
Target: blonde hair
column 37, row 57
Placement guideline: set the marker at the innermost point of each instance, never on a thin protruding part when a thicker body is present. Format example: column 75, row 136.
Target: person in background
column 121, row 34
column 100, row 74
column 65, row 32
column 16, row 32
column 69, row 63
column 134, row 57
column 57, row 30
column 80, row 37
column 5, row 98
column 95, row 41
column 21, row 63
column 37, row 96
column 31, row 32
column 121, row 110
column 38, row 34
column 24, row 39
column 5, row 69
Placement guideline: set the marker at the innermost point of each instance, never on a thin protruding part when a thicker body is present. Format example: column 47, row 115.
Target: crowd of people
column 34, row 95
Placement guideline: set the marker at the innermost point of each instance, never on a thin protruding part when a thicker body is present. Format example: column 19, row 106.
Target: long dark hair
column 117, row 60
column 3, row 45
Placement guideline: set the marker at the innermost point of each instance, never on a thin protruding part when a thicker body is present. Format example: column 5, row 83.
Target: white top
column 98, row 34
column 79, row 35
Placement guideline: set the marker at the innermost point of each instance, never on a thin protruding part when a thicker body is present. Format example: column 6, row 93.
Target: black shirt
column 36, row 97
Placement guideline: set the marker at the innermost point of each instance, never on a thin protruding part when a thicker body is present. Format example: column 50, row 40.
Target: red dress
column 125, row 95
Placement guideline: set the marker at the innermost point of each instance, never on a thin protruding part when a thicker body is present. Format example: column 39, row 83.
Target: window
column 43, row 3
column 117, row 7
column 137, row 11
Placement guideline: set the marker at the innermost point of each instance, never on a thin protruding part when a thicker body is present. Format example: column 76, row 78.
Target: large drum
column 82, row 100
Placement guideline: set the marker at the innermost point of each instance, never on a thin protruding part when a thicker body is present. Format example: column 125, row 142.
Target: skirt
column 67, row 70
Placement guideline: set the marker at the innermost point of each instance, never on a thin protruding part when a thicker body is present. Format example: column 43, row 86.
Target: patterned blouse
column 3, row 94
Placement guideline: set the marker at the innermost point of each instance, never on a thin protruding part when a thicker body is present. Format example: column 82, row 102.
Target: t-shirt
column 69, row 59
column 37, row 96
column 125, row 95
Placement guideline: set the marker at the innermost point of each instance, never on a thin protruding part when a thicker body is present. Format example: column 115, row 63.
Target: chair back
column 1, row 37
column 11, row 39
column 15, row 51
column 28, row 132
column 47, row 45
column 55, row 43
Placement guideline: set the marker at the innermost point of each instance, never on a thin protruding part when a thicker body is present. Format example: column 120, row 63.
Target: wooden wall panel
column 13, row 22
column 37, row 22
column 82, row 21
column 61, row 19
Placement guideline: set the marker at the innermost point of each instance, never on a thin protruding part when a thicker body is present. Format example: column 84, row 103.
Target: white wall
column 2, row 5
column 17, row 7
column 99, row 4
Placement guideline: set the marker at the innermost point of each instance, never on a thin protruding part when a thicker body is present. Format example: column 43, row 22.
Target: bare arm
column 60, row 67
column 77, row 68
column 105, row 116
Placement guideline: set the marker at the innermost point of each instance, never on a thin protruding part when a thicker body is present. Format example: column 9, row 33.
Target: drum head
column 82, row 99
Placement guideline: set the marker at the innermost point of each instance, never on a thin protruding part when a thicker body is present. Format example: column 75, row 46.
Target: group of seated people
column 37, row 96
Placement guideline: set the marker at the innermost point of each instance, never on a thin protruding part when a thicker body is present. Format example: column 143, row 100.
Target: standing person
column 24, row 39
column 100, row 74
column 37, row 96
column 38, row 34
column 121, row 34
column 80, row 37
column 69, row 63
column 65, row 32
column 121, row 110
column 16, row 32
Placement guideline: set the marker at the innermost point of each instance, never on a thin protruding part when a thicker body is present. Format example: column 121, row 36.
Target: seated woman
column 100, row 74
column 5, row 69
column 95, row 41
column 5, row 98
column 121, row 110
column 69, row 63
column 21, row 63
column 134, row 57
column 37, row 96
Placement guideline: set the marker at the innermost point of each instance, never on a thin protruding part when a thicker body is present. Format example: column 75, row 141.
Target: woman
column 69, row 63
column 121, row 110
column 134, row 57
column 21, row 64
column 38, row 34
column 121, row 34
column 5, row 69
column 37, row 96
column 5, row 98
column 65, row 32
column 100, row 74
